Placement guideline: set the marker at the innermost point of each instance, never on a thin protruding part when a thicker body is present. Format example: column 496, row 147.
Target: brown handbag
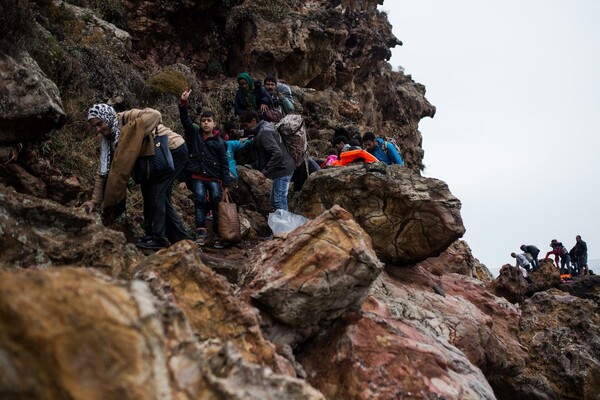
column 229, row 221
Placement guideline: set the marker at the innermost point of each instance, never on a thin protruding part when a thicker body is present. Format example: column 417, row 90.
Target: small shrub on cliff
column 168, row 81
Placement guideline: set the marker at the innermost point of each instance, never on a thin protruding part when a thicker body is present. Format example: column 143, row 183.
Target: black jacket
column 240, row 103
column 274, row 161
column 208, row 157
column 531, row 249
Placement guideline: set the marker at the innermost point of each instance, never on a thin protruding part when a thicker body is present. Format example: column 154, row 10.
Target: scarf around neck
column 108, row 115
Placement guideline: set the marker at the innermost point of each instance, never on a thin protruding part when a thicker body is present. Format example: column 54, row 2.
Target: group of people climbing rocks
column 204, row 157
column 572, row 262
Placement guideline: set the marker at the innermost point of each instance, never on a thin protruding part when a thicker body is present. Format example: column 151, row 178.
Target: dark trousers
column 161, row 221
column 301, row 173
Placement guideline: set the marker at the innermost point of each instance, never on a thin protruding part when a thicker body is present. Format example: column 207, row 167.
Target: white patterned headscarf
column 108, row 115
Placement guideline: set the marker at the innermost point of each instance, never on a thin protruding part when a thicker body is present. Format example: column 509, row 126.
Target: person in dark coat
column 273, row 159
column 580, row 251
column 533, row 252
column 250, row 95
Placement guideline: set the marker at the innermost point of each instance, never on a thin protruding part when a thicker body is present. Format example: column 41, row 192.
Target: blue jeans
column 213, row 188
column 280, row 191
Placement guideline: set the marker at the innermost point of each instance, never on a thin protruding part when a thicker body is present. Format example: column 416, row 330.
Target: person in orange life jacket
column 384, row 151
column 208, row 166
column 560, row 251
column 273, row 159
column 162, row 223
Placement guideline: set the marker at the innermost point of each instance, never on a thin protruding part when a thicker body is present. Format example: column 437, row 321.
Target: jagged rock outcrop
column 460, row 311
column 178, row 275
column 562, row 335
column 76, row 333
column 340, row 49
column 512, row 285
column 457, row 258
column 30, row 104
column 41, row 233
column 378, row 356
column 409, row 217
column 303, row 283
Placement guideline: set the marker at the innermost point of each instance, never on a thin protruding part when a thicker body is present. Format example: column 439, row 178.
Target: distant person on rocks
column 534, row 252
column 581, row 255
column 280, row 95
column 522, row 265
column 560, row 251
column 250, row 95
column 522, row 261
column 209, row 169
column 273, row 159
column 383, row 150
column 162, row 223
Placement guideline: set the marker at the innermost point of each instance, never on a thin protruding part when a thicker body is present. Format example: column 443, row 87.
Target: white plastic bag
column 282, row 221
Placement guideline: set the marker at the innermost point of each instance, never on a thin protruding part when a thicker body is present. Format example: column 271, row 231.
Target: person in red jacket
column 560, row 251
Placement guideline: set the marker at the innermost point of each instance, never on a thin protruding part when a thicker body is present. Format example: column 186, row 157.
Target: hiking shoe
column 201, row 236
column 149, row 242
column 218, row 244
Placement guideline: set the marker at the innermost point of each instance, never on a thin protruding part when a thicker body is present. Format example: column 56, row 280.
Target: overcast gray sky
column 517, row 131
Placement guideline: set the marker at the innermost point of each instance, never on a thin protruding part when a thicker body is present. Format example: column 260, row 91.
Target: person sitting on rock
column 534, row 252
column 209, row 169
column 280, row 95
column 383, row 150
column 560, row 251
column 273, row 159
column 342, row 144
column 250, row 95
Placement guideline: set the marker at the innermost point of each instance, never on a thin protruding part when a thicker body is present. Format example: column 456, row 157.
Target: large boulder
column 30, row 103
column 70, row 333
column 303, row 283
column 75, row 333
column 214, row 312
column 377, row 355
column 408, row 217
column 460, row 311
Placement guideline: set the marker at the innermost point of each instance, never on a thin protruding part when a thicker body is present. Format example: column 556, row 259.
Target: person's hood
column 245, row 76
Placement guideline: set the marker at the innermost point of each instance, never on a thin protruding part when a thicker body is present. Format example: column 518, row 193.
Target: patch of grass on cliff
column 168, row 81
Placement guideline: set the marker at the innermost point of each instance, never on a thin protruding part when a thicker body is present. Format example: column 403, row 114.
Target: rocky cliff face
column 375, row 298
